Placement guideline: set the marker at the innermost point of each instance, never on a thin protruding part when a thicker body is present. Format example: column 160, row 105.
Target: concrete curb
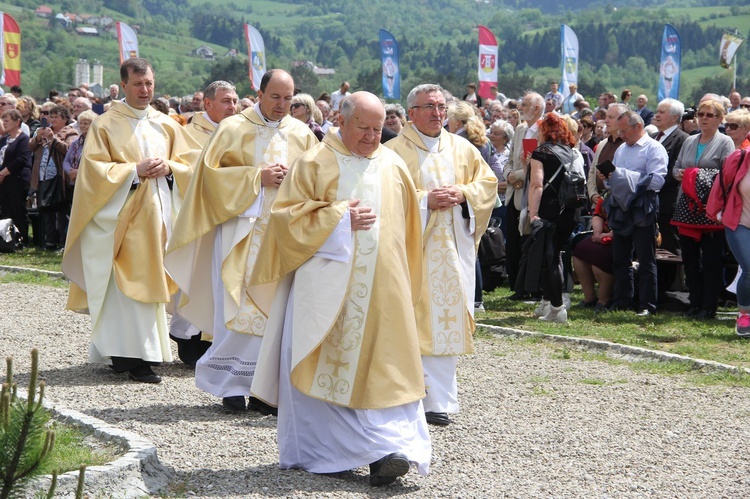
column 628, row 352
column 26, row 270
column 137, row 473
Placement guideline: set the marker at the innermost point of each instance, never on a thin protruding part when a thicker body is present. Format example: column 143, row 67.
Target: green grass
column 710, row 340
column 33, row 258
column 74, row 448
column 37, row 279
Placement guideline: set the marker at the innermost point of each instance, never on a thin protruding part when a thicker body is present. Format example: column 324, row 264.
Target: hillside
column 437, row 39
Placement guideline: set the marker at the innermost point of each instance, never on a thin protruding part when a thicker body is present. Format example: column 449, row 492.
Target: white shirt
column 336, row 98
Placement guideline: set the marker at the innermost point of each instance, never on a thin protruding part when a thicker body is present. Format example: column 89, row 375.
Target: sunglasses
column 732, row 126
column 296, row 105
column 706, row 115
column 746, row 106
column 44, row 112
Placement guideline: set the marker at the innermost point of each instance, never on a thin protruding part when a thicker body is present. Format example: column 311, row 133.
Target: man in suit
column 645, row 113
column 667, row 120
column 531, row 109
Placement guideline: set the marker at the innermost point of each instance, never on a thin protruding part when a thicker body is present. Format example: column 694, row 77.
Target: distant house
column 315, row 69
column 105, row 21
column 43, row 11
column 204, row 51
column 73, row 17
column 63, row 20
column 230, row 53
column 87, row 31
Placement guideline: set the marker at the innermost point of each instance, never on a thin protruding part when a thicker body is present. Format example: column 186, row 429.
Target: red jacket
column 732, row 171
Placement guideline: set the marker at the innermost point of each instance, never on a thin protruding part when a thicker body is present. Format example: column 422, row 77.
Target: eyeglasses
column 706, row 115
column 296, row 105
column 746, row 106
column 623, row 130
column 732, row 126
column 432, row 107
column 44, row 112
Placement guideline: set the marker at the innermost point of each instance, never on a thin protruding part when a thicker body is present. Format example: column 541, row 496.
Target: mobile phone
column 44, row 122
column 606, row 168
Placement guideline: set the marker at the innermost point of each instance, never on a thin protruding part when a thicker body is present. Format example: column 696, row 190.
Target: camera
column 689, row 114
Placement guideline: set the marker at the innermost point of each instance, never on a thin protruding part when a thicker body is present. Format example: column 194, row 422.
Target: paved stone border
column 137, row 473
column 626, row 351
column 26, row 270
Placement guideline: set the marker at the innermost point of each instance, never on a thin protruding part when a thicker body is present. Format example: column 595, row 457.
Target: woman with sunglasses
column 304, row 109
column 701, row 238
column 737, row 126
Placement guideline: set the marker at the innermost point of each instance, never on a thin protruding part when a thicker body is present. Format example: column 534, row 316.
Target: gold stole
column 270, row 145
column 359, row 178
column 443, row 265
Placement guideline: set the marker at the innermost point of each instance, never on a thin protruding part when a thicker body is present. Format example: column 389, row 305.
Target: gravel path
column 533, row 423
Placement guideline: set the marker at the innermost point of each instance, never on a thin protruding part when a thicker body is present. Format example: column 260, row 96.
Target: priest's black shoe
column 388, row 469
column 144, row 374
column 254, row 404
column 437, row 418
column 517, row 296
column 236, row 403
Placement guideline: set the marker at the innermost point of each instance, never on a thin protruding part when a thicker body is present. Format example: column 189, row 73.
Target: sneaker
column 743, row 325
column 542, row 309
column 478, row 306
column 566, row 300
column 556, row 314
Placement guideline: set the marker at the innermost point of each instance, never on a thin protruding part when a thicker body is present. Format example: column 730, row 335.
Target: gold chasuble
column 445, row 312
column 200, row 128
column 126, row 229
column 226, row 183
column 354, row 336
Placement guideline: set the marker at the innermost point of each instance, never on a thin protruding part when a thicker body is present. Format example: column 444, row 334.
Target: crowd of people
column 319, row 258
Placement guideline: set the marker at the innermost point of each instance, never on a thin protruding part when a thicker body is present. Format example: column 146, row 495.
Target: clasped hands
column 444, row 198
column 153, row 168
column 273, row 175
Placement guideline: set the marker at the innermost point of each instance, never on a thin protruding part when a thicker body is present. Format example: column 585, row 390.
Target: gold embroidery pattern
column 340, row 350
column 249, row 319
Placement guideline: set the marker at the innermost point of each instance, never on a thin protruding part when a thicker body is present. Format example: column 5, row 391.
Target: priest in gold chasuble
column 340, row 352
column 217, row 236
column 136, row 165
column 457, row 191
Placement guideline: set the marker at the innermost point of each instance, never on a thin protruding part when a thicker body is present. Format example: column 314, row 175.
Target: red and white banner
column 487, row 62
column 128, row 42
column 10, row 39
column 256, row 55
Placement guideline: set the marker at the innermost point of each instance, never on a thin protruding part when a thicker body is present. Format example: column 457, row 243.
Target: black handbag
column 49, row 194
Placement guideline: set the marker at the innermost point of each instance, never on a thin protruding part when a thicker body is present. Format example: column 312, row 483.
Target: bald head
column 361, row 121
column 275, row 94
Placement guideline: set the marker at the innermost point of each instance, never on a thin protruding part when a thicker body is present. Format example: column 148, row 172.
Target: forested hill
column 438, row 40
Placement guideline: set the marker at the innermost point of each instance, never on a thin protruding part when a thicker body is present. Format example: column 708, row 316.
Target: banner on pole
column 487, row 62
column 389, row 60
column 10, row 38
column 128, row 42
column 256, row 56
column 669, row 69
column 569, row 59
column 728, row 47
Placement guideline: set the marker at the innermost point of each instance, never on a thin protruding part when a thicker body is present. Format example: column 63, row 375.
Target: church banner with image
column 10, row 37
column 728, row 47
column 487, row 62
column 256, row 56
column 669, row 69
column 569, row 56
column 128, row 42
column 389, row 60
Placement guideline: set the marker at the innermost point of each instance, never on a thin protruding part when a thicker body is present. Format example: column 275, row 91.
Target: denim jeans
column 739, row 243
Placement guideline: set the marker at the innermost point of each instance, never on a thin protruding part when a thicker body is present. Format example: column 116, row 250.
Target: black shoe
column 254, row 404
column 601, row 308
column 690, row 312
column 144, row 374
column 519, row 296
column 586, row 304
column 437, row 418
column 235, row 404
column 705, row 314
column 388, row 469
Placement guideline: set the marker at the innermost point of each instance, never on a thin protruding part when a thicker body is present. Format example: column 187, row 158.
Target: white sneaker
column 566, row 300
column 542, row 309
column 556, row 314
column 478, row 306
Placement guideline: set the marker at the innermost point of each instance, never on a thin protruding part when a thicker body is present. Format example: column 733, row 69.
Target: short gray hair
column 536, row 99
column 620, row 108
column 411, row 99
column 632, row 117
column 215, row 86
column 676, row 108
column 396, row 109
column 504, row 127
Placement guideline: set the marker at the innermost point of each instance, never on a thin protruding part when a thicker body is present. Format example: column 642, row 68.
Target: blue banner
column 569, row 59
column 669, row 70
column 389, row 59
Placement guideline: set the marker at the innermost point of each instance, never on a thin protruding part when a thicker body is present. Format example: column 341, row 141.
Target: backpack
column 571, row 192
